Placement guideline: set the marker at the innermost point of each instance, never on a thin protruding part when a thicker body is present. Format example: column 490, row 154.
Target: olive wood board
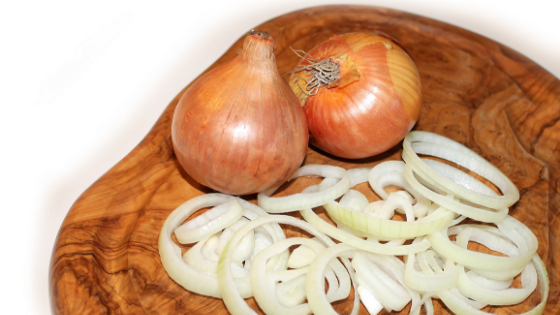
column 476, row 91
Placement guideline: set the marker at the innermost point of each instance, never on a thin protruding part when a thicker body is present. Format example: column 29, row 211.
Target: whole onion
column 240, row 129
column 360, row 92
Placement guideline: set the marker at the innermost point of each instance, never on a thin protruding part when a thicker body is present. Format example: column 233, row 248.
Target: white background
column 82, row 82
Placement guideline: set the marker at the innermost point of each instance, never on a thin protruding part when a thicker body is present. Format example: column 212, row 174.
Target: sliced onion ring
column 383, row 275
column 390, row 229
column 428, row 279
column 459, row 306
column 391, row 173
column 264, row 290
column 421, row 142
column 210, row 222
column 479, row 214
column 232, row 298
column 190, row 278
column 315, row 285
column 170, row 253
column 358, row 175
column 509, row 227
column 303, row 200
column 509, row 296
column 359, row 243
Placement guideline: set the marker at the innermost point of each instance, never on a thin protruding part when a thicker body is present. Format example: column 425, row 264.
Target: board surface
column 475, row 91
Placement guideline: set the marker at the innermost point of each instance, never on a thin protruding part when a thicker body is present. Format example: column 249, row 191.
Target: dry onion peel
column 239, row 128
column 360, row 93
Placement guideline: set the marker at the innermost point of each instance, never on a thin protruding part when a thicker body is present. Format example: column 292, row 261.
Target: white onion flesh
column 427, row 280
column 372, row 305
column 232, row 298
column 315, row 286
column 303, row 200
column 491, row 296
column 170, row 254
column 421, row 142
column 390, row 173
column 386, row 285
column 389, row 229
column 459, row 306
column 198, row 279
column 210, row 222
column 523, row 238
column 285, row 297
column 359, row 243
column 451, row 203
column 242, row 251
column 355, row 200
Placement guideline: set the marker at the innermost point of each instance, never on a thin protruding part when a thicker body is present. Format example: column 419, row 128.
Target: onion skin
column 373, row 105
column 239, row 129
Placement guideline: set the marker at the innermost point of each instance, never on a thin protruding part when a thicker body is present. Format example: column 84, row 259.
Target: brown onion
column 361, row 94
column 240, row 129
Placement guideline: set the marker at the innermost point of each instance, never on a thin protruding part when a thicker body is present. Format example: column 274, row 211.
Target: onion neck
column 258, row 45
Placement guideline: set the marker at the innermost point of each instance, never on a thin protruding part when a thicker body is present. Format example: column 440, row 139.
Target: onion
column 360, row 93
column 239, row 129
column 308, row 199
column 369, row 246
column 385, row 229
column 460, row 305
column 315, row 285
column 435, row 145
column 428, row 280
column 283, row 292
column 233, row 298
column 210, row 222
column 383, row 276
column 511, row 238
column 391, row 173
column 243, row 252
column 203, row 279
column 450, row 202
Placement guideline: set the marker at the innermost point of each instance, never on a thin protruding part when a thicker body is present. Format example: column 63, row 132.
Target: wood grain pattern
column 475, row 91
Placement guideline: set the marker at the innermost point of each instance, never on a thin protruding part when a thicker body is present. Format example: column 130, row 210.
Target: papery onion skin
column 373, row 105
column 239, row 129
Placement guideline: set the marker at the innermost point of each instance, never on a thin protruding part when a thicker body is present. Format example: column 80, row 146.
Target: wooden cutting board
column 475, row 91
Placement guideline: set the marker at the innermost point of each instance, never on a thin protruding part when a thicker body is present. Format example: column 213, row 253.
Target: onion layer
column 388, row 229
column 435, row 145
column 203, row 280
column 253, row 258
column 310, row 199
